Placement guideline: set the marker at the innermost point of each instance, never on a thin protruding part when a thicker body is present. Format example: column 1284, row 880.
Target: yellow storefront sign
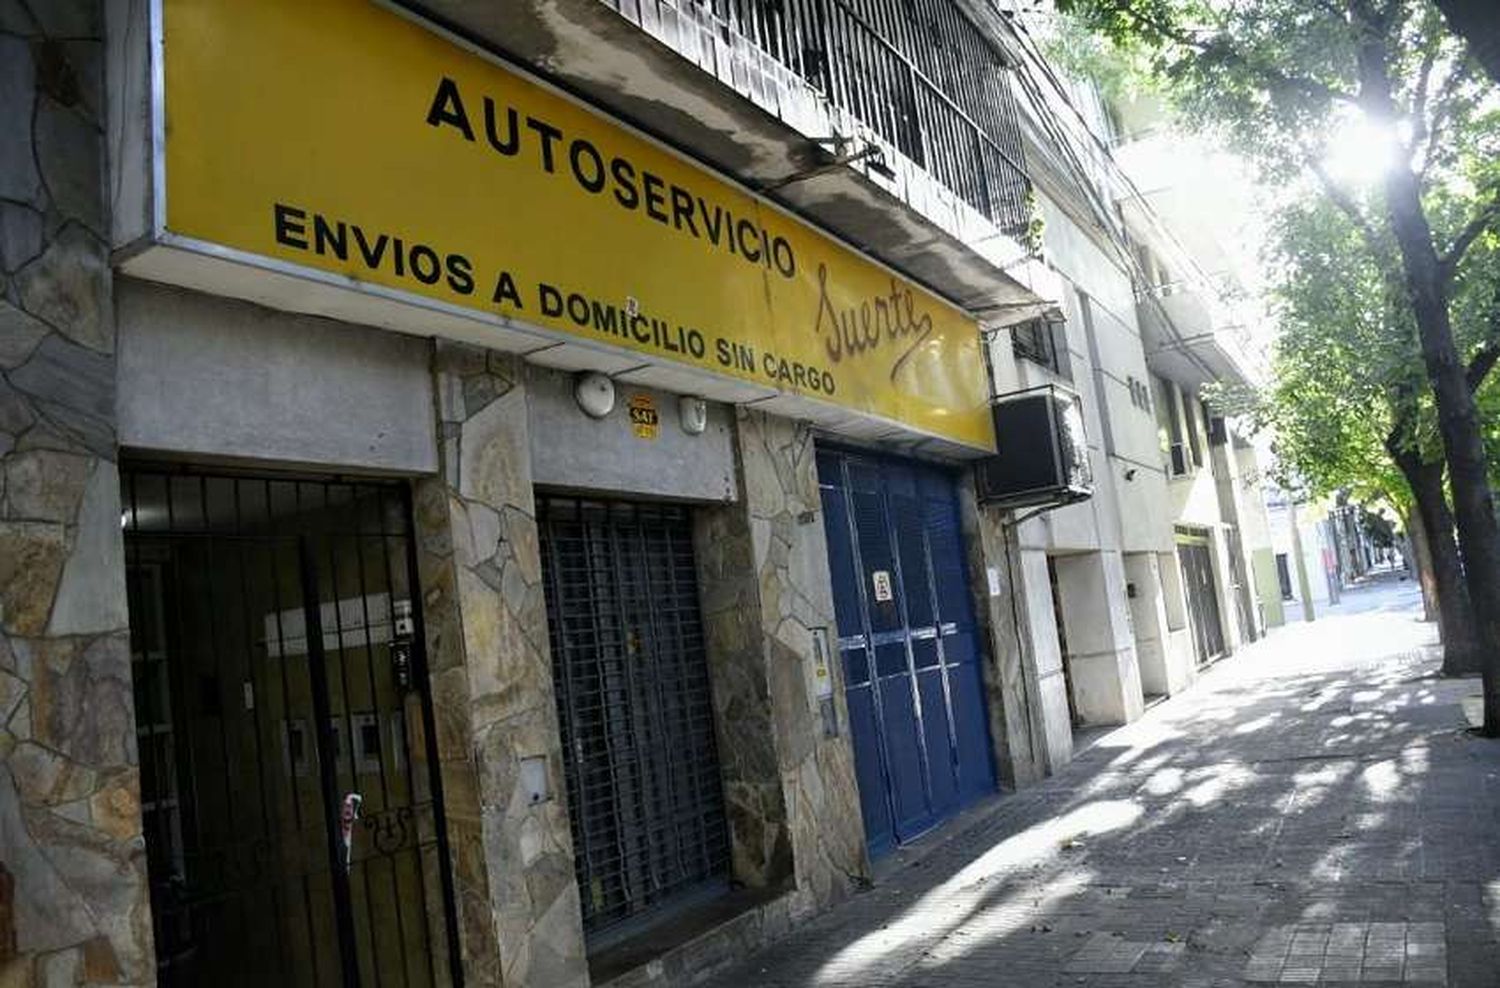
column 340, row 136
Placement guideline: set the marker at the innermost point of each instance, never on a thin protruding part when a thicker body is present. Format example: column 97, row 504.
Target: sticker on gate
column 882, row 580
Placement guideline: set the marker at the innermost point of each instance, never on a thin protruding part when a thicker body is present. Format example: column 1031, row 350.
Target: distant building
column 1316, row 537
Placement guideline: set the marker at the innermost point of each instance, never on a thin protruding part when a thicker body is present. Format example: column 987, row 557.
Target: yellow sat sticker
column 644, row 421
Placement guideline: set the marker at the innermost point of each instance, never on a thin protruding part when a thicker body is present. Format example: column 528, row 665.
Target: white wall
column 1129, row 510
column 1309, row 524
column 1255, row 523
column 571, row 450
column 1041, row 628
column 206, row 376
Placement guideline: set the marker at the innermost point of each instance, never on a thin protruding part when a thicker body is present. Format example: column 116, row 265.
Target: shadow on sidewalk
column 1351, row 795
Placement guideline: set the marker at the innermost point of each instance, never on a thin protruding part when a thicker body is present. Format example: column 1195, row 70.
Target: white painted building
column 1169, row 565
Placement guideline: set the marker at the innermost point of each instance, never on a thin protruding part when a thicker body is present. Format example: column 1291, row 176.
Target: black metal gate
column 635, row 706
column 292, row 807
column 1202, row 596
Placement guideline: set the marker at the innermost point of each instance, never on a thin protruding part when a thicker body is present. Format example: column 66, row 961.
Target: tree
column 1348, row 406
column 1478, row 23
column 1278, row 77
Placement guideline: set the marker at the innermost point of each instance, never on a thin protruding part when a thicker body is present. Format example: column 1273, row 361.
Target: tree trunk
column 1458, row 418
column 1478, row 23
column 1456, row 626
column 1421, row 564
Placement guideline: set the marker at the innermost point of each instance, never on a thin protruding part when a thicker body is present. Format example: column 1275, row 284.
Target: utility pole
column 1308, row 613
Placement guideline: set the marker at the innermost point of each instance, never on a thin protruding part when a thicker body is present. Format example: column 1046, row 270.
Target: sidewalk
column 1311, row 812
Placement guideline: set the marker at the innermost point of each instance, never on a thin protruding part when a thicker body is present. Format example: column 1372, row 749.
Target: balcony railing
column 918, row 73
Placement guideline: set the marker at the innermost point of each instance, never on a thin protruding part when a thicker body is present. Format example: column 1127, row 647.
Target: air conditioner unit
column 1043, row 457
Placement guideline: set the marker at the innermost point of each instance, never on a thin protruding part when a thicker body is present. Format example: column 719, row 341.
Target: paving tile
column 1260, row 835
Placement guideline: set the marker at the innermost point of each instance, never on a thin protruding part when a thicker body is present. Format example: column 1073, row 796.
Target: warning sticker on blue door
column 882, row 585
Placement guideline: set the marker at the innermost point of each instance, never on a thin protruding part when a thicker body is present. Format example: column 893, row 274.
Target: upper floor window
column 1037, row 340
column 1177, row 446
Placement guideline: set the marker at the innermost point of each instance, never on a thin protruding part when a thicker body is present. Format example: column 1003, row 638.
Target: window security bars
column 1036, row 341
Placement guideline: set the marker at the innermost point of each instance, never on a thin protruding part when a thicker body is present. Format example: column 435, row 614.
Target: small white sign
column 882, row 579
column 822, row 678
column 993, row 572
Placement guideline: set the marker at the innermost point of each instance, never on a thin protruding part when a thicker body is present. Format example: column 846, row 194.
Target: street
column 1311, row 811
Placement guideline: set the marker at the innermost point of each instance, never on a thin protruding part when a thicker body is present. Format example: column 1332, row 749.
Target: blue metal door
column 906, row 637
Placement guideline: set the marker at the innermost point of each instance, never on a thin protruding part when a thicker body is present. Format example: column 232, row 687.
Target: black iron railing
column 917, row 72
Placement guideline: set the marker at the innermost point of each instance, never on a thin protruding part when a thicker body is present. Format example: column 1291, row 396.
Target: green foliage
column 1346, row 365
column 1036, row 226
column 1225, row 65
column 1276, row 79
column 1279, row 81
column 1119, row 72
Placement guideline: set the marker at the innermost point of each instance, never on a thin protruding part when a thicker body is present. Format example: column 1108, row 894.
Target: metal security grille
column 277, row 681
column 634, row 704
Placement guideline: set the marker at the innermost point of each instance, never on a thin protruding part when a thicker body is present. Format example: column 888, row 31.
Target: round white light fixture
column 595, row 394
column 693, row 414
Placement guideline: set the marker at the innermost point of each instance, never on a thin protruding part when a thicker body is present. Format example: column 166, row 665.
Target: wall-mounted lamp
column 595, row 394
column 693, row 414
column 872, row 154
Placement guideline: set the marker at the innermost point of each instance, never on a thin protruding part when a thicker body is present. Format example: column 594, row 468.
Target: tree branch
column 1335, row 8
column 1480, row 364
column 1149, row 24
column 1377, row 21
column 1483, row 359
column 1449, row 261
column 1349, row 206
column 1275, row 79
column 1442, row 105
column 1402, row 435
column 1419, row 96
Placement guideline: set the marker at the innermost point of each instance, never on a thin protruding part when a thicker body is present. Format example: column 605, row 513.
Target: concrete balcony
column 1192, row 338
column 750, row 92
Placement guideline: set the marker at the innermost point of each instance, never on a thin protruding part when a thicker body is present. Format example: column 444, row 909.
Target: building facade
column 1192, row 227
column 1319, row 550
column 1124, row 598
column 488, row 494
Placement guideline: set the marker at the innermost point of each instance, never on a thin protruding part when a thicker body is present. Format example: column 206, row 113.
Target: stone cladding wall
column 73, row 890
column 486, row 629
column 791, row 792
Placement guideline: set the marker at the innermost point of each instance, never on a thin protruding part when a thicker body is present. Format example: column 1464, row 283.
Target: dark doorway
column 907, row 637
column 1062, row 644
column 280, row 688
column 1284, row 576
